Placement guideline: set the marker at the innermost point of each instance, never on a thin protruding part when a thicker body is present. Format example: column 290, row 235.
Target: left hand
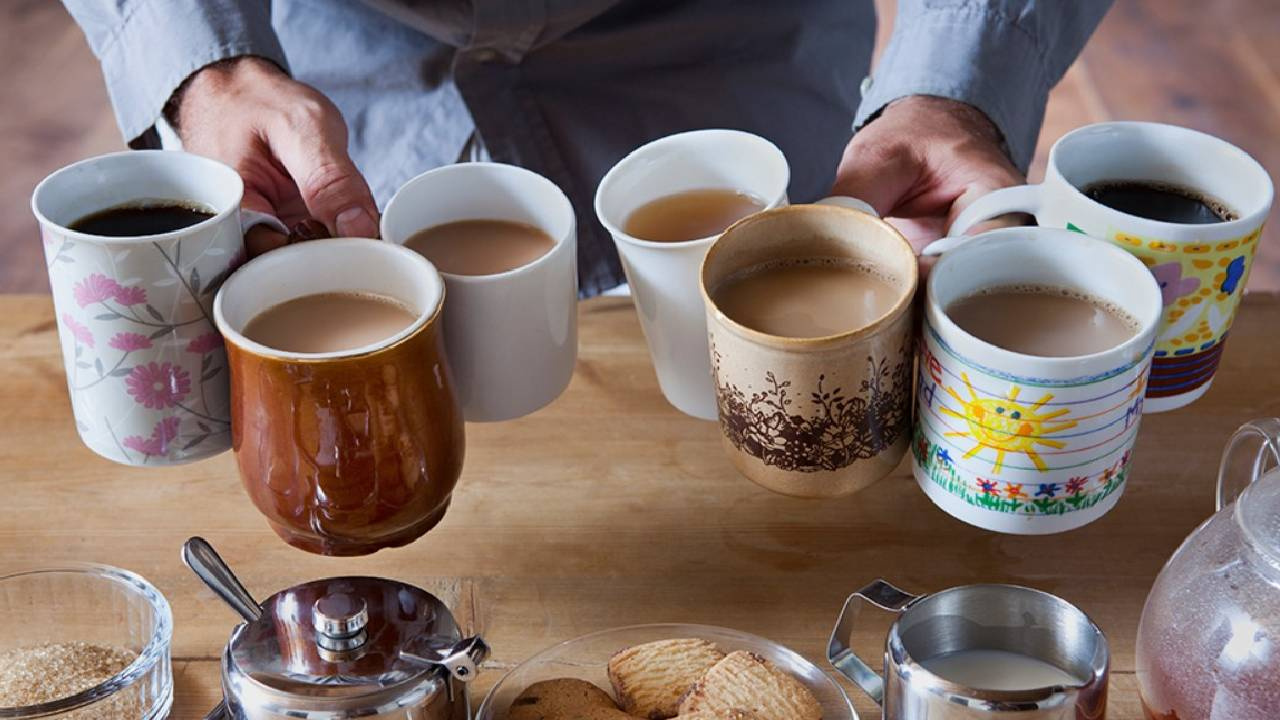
column 922, row 162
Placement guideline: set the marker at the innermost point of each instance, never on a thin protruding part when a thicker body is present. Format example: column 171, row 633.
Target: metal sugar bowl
column 346, row 647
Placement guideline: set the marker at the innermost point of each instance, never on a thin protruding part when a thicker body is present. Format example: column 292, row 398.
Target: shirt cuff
column 970, row 54
column 162, row 42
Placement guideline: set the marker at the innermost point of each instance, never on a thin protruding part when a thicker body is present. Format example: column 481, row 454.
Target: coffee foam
column 1224, row 211
column 1034, row 289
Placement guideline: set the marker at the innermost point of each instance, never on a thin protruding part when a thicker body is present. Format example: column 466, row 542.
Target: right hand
column 287, row 141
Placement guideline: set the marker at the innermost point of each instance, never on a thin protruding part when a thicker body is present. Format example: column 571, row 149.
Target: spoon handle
column 205, row 562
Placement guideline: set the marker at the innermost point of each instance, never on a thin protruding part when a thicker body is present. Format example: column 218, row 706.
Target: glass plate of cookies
column 656, row 672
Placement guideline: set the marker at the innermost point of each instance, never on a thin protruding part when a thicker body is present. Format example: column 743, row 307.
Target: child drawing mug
column 1202, row 269
column 1025, row 444
column 145, row 366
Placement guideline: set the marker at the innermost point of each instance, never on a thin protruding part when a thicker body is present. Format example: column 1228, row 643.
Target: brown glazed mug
column 344, row 452
column 823, row 416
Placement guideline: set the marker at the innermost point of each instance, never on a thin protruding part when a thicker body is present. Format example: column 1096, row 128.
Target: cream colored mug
column 813, row 417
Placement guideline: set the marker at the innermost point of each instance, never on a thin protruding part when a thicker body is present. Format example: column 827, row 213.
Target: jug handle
column 882, row 595
column 1264, row 430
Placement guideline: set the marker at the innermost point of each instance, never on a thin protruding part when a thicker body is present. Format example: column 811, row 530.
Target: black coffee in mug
column 136, row 219
column 1164, row 202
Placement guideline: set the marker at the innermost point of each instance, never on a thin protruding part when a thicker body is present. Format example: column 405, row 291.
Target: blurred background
column 1213, row 66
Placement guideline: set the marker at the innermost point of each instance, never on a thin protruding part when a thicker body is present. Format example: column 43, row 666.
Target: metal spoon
column 205, row 562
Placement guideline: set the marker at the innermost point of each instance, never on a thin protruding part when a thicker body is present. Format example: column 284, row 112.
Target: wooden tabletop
column 610, row 508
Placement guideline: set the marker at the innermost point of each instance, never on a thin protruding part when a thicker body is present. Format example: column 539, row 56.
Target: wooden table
column 608, row 508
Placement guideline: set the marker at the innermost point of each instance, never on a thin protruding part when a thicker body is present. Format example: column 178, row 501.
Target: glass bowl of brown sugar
column 84, row 641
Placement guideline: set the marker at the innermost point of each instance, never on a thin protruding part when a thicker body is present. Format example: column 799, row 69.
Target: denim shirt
column 568, row 87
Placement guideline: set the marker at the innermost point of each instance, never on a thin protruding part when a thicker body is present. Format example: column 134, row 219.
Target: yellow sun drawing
column 1007, row 426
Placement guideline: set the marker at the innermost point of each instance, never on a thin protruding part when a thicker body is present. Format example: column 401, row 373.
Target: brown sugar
column 43, row 673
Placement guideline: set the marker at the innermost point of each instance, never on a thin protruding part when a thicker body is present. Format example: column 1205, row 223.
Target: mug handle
column 1019, row 198
column 1266, row 432
column 852, row 203
column 253, row 218
column 884, row 596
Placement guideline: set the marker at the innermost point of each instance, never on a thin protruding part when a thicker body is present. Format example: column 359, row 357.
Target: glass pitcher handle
column 841, row 656
column 1257, row 444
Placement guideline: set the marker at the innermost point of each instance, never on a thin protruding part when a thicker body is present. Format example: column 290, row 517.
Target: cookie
column 650, row 679
column 747, row 683
column 564, row 699
column 726, row 715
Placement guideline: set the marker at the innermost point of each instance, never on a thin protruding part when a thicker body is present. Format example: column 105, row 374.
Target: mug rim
column 242, row 342
column 900, row 306
column 934, row 680
column 543, row 259
column 43, row 187
column 1162, row 226
column 942, row 323
column 610, row 177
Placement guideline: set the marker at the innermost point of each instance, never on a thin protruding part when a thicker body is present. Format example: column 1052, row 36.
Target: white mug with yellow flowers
column 1021, row 443
column 1202, row 268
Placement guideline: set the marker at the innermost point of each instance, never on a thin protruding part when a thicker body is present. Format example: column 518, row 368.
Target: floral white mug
column 146, row 370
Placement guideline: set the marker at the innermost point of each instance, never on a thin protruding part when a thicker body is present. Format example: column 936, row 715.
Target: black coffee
column 1160, row 201
column 135, row 219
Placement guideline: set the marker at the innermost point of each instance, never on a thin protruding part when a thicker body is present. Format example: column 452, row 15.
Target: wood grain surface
column 607, row 508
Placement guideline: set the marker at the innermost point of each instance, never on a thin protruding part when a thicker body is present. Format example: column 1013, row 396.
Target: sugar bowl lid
column 345, row 646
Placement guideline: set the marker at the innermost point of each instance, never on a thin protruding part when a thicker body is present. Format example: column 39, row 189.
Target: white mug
column 1202, row 269
column 512, row 337
column 664, row 276
column 1019, row 443
column 145, row 366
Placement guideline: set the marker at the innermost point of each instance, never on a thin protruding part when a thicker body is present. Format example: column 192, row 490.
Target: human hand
column 922, row 162
column 286, row 140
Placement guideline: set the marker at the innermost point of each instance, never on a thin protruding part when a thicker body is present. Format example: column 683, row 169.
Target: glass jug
column 1209, row 640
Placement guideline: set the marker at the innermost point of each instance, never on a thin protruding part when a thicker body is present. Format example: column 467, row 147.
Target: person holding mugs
column 326, row 107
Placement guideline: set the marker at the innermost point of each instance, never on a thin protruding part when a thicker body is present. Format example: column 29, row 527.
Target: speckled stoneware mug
column 145, row 367
column 823, row 416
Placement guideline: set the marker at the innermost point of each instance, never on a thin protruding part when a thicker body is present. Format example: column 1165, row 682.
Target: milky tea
column 1042, row 321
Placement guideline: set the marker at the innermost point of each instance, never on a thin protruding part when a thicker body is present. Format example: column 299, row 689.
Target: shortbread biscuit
column 650, row 679
column 564, row 699
column 726, row 715
column 745, row 682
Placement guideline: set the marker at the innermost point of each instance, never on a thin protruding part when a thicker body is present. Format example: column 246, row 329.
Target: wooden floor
column 1166, row 60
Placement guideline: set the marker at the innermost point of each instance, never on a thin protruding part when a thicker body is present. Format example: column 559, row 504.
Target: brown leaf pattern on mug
column 838, row 429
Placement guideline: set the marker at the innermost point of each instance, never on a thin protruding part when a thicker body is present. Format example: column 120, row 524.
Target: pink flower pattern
column 164, row 432
column 129, row 342
column 158, row 385
column 131, row 295
column 206, row 343
column 171, row 379
column 78, row 330
column 95, row 288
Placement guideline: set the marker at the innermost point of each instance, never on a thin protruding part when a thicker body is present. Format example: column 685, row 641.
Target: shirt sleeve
column 147, row 48
column 1000, row 56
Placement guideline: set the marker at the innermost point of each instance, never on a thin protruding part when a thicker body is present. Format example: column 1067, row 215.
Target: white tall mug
column 511, row 337
column 664, row 276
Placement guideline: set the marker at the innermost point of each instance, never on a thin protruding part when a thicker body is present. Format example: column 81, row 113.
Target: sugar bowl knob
column 339, row 620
